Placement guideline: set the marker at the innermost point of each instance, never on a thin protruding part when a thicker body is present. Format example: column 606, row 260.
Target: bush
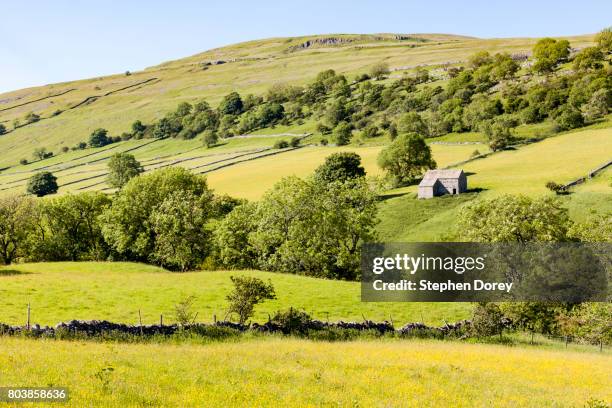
column 343, row 134
column 31, row 117
column 281, row 144
column 2, row 129
column 487, row 320
column 379, row 70
column 210, row 138
column 554, row 187
column 23, row 162
column 42, row 183
column 370, row 131
column 247, row 293
column 65, row 149
column 294, row 142
column 292, row 321
column 183, row 311
column 324, row 142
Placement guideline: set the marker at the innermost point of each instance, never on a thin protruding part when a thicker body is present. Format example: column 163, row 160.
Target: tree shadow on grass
column 12, row 272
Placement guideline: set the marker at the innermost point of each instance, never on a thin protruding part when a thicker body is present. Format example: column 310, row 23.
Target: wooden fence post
column 28, row 323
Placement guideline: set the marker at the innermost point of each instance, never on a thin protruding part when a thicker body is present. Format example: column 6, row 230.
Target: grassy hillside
column 71, row 111
column 303, row 373
column 116, row 291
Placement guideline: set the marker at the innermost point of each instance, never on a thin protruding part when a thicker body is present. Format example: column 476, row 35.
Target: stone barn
column 439, row 182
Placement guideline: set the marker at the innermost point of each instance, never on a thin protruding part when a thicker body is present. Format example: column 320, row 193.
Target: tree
column 512, row 218
column 210, row 138
column 379, row 70
column 182, row 239
column 302, row 226
column 231, row 104
column 597, row 106
column 72, row 228
column 604, row 40
column 569, row 118
column 588, row 58
column 479, row 59
column 2, row 129
column 336, row 112
column 138, row 127
column 340, row 167
column 99, row 138
column 548, row 52
column 128, row 223
column 406, row 158
column 122, row 167
column 41, row 184
column 411, row 122
column 16, row 224
column 343, row 133
column 498, row 132
column 41, row 153
column 247, row 293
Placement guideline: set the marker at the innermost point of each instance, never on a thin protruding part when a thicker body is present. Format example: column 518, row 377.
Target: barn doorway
column 454, row 191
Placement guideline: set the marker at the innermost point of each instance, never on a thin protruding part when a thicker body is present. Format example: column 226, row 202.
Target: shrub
column 231, row 104
column 183, row 311
column 475, row 153
column 569, row 118
column 247, row 293
column 65, row 149
column 487, row 320
column 322, row 129
column 324, row 142
column 554, row 187
column 379, row 70
column 23, row 162
column 294, row 142
column 281, row 144
column 370, row 131
column 292, row 321
column 31, row 117
column 42, row 183
column 2, row 129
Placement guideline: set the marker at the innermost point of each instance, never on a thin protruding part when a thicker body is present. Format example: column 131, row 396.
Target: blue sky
column 44, row 42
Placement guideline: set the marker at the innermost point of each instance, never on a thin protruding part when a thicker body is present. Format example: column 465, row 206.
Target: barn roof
column 430, row 178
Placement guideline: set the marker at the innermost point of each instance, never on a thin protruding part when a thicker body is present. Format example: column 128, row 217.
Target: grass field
column 289, row 372
column 116, row 291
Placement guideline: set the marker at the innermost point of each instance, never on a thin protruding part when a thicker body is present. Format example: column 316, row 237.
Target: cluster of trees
column 523, row 219
column 313, row 226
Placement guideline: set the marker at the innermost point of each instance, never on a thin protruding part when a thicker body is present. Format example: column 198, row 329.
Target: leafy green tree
column 99, row 138
column 340, row 167
column 411, row 122
column 231, row 104
column 210, row 138
column 336, row 112
column 269, row 113
column 504, row 67
column 128, row 225
column 379, row 70
column 164, row 129
column 182, row 238
column 512, row 218
column 604, row 40
column 231, row 236
column 247, row 293
column 2, row 129
column 549, row 52
column 479, row 59
column 72, row 229
column 406, row 158
column 569, row 118
column 302, row 226
column 138, row 127
column 16, row 224
column 498, row 131
column 597, row 106
column 588, row 58
column 122, row 167
column 41, row 184
column 343, row 133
